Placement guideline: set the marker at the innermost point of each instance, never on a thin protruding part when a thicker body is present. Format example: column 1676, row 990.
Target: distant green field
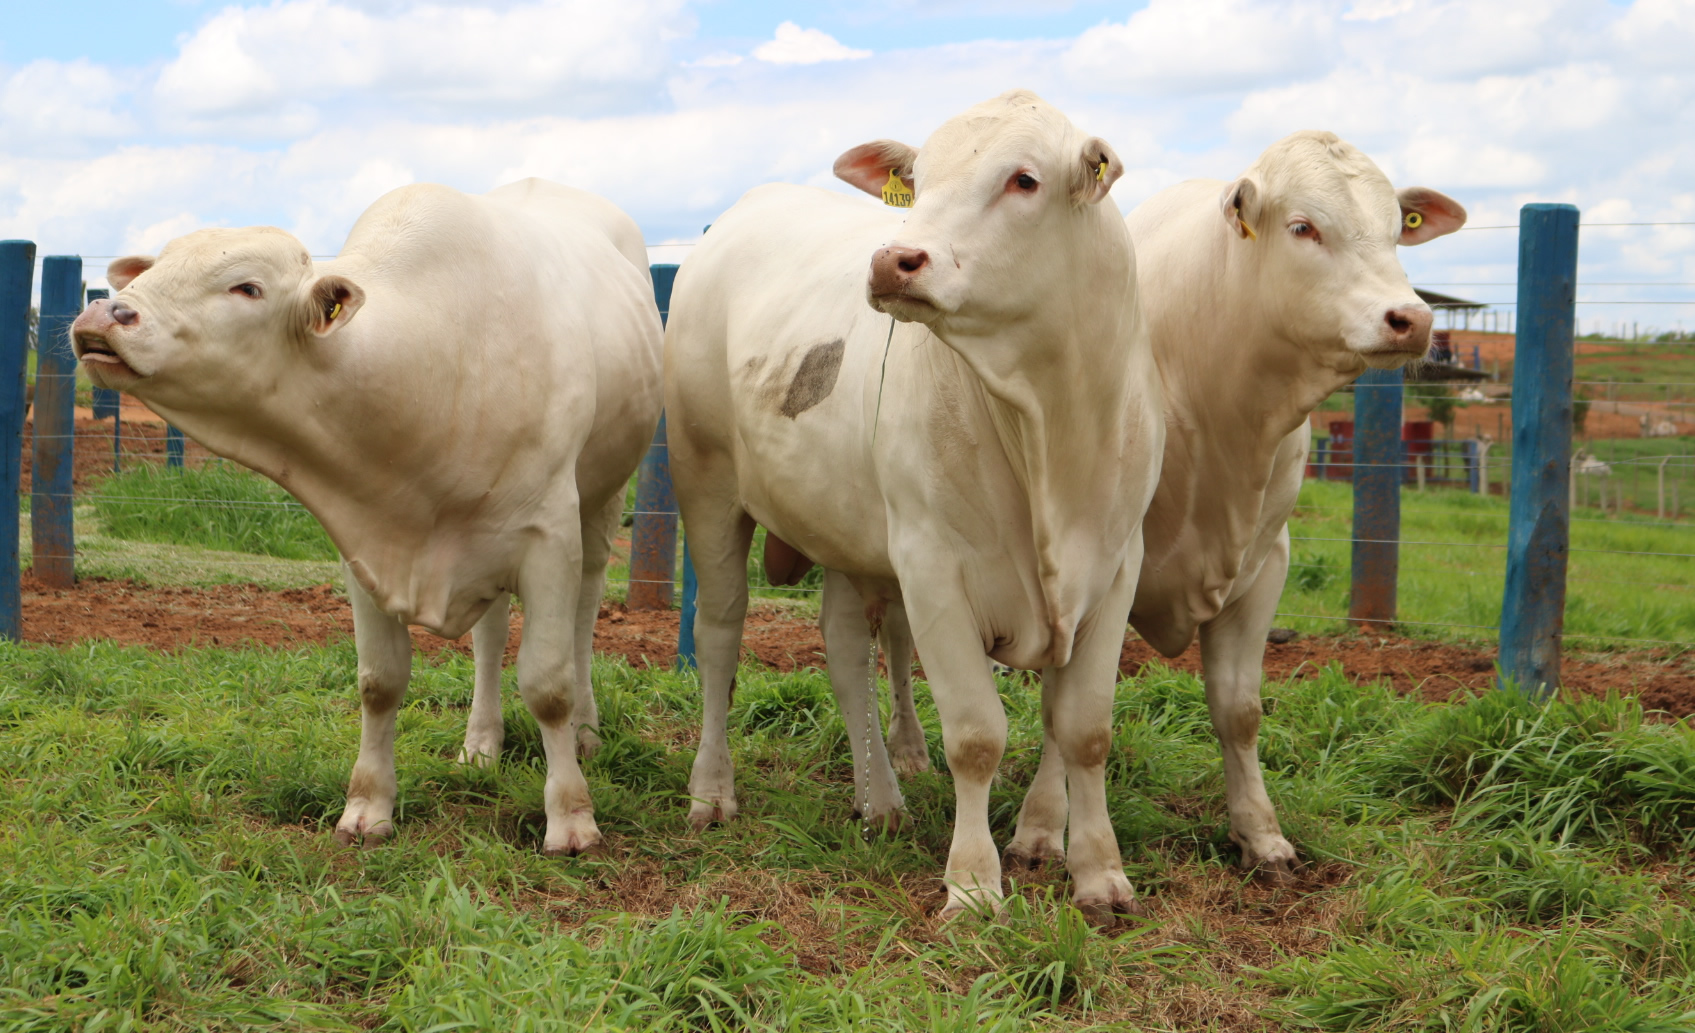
column 166, row 865
column 1622, row 582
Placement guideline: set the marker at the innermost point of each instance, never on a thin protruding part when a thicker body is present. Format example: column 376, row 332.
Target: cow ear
column 1240, row 202
column 331, row 302
column 868, row 165
column 121, row 271
column 1427, row 214
column 1098, row 168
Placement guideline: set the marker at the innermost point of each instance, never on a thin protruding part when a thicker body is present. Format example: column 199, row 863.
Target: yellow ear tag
column 1414, row 220
column 1100, row 173
column 334, row 312
column 895, row 192
column 1249, row 230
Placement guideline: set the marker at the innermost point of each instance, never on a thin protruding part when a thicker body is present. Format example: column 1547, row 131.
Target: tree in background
column 1438, row 399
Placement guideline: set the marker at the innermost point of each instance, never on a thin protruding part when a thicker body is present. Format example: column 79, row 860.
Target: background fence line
column 1381, row 469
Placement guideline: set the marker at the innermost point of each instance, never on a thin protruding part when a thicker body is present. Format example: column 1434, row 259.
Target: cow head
column 1320, row 222
column 1004, row 192
column 219, row 312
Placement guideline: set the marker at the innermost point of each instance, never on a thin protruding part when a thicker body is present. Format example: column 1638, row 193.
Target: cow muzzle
column 1403, row 336
column 93, row 340
column 895, row 285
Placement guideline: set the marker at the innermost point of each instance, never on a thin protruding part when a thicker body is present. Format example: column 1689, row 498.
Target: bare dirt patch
column 167, row 618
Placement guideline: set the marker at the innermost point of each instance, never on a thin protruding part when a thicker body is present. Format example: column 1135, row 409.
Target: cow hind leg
column 385, row 666
column 1040, row 836
column 720, row 535
column 908, row 751
column 485, row 731
column 1232, row 658
column 598, row 529
column 847, row 641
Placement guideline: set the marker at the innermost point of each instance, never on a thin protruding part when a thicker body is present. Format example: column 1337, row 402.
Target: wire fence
column 1632, row 548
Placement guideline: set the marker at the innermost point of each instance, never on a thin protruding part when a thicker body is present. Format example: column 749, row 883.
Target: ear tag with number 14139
column 895, row 192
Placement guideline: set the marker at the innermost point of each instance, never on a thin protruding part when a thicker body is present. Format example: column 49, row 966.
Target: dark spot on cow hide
column 815, row 378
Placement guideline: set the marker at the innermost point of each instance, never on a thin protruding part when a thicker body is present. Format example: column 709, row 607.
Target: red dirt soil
column 229, row 615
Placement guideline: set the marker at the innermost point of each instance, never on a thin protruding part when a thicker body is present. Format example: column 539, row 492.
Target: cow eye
column 1304, row 230
column 252, row 290
column 1025, row 181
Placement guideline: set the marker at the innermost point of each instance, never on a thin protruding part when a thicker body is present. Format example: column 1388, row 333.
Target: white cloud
column 300, row 113
column 794, row 45
column 1193, row 46
column 47, row 102
column 283, row 68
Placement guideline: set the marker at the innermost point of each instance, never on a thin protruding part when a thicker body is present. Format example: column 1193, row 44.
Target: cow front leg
column 548, row 678
column 1232, row 658
column 847, row 642
column 908, row 751
column 485, row 730
column 973, row 735
column 385, row 666
column 1081, row 719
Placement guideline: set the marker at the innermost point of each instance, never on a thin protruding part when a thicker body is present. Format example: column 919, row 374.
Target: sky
column 123, row 125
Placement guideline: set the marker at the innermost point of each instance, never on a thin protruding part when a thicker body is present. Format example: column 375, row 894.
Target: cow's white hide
column 1263, row 297
column 984, row 458
column 459, row 397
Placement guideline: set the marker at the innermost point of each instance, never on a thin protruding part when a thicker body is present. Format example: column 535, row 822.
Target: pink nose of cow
column 122, row 313
column 893, row 268
column 1409, row 328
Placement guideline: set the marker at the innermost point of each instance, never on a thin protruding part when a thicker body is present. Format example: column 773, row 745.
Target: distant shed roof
column 1436, row 299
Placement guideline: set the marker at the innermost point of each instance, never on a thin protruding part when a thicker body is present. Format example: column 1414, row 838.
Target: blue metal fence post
column 17, row 275
column 685, row 628
column 1474, row 480
column 1377, row 497
column 1539, row 525
column 173, row 447
column 653, row 529
column 53, row 452
column 106, row 401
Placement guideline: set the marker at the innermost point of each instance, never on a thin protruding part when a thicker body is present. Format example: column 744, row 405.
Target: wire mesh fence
column 1632, row 475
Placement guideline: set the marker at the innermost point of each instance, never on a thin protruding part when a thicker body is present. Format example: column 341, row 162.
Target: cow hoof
column 1029, row 857
column 588, row 742
column 704, row 813
column 910, row 761
column 1278, row 874
column 358, row 834
column 477, row 757
column 574, row 847
column 1107, row 915
column 988, row 908
column 886, row 823
column 575, row 836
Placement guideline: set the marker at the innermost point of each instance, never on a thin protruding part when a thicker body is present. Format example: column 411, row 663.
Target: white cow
column 1263, row 296
column 460, row 398
column 979, row 442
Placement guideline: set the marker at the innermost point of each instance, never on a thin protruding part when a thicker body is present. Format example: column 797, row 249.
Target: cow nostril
column 1397, row 322
column 122, row 313
column 912, row 261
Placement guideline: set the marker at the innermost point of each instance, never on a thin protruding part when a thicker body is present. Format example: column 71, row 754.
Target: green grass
column 166, row 864
column 214, row 505
column 1614, row 590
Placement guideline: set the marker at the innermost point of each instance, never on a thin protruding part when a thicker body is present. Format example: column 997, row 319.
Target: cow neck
column 1234, row 392
column 1065, row 416
column 312, row 434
